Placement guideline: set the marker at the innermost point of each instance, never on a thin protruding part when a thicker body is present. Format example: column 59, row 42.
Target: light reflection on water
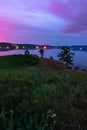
column 80, row 58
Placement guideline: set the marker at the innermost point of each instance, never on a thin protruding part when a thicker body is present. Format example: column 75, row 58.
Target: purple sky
column 54, row 22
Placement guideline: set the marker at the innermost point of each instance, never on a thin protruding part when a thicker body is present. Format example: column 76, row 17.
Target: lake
column 80, row 57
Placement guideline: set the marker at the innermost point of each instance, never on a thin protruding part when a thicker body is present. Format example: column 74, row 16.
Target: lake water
column 80, row 58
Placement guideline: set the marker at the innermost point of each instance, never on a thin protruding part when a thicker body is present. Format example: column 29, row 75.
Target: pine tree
column 66, row 56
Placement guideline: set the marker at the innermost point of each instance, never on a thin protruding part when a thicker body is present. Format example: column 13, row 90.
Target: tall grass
column 37, row 99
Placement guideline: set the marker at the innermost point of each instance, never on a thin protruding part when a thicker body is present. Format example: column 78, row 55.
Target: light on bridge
column 7, row 47
column 80, row 49
column 24, row 47
column 44, row 47
column 37, row 47
column 16, row 46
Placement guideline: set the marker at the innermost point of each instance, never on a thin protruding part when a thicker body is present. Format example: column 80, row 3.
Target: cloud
column 21, row 19
column 30, row 13
column 72, row 11
column 41, row 21
column 12, row 31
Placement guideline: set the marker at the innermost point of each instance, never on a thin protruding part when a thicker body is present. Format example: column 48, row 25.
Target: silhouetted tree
column 41, row 52
column 66, row 56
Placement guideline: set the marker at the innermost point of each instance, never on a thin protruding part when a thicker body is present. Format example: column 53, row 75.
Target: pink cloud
column 32, row 21
column 11, row 31
column 36, row 4
column 60, row 9
column 4, row 29
column 75, row 12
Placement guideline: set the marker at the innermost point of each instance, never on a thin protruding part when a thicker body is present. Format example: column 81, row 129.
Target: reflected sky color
column 54, row 22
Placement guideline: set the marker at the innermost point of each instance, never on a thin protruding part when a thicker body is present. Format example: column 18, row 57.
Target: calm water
column 80, row 58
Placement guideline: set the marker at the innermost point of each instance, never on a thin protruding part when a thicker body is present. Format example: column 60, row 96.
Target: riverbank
column 79, row 57
column 39, row 98
column 17, row 61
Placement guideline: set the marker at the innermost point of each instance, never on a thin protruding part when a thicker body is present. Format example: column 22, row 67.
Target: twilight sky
column 54, row 22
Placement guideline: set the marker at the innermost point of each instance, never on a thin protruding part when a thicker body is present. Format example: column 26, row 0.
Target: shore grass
column 42, row 99
column 17, row 61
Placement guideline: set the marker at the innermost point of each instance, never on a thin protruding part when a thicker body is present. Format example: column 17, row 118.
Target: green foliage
column 16, row 61
column 66, row 56
column 37, row 99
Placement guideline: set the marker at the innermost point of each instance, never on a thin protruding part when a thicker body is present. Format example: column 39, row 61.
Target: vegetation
column 51, row 64
column 41, row 52
column 41, row 99
column 66, row 56
column 16, row 61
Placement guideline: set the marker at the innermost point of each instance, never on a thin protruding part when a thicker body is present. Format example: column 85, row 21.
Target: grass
column 42, row 99
column 16, row 61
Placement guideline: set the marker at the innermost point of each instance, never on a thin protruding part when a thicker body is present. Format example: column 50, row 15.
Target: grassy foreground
column 42, row 99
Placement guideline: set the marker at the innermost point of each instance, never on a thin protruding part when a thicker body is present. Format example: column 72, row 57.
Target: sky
column 53, row 22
